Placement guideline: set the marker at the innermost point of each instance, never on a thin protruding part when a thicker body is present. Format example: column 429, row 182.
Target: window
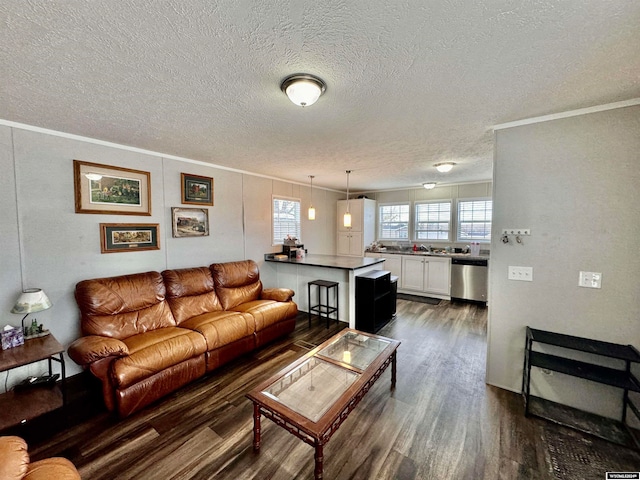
column 474, row 220
column 286, row 218
column 433, row 220
column 394, row 222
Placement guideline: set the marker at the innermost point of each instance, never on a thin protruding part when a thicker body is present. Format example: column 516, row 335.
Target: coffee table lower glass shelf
column 312, row 397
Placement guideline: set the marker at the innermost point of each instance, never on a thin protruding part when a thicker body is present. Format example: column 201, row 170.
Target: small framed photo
column 190, row 222
column 196, row 190
column 112, row 190
column 129, row 237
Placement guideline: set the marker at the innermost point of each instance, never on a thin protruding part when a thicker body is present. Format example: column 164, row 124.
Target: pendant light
column 347, row 215
column 312, row 210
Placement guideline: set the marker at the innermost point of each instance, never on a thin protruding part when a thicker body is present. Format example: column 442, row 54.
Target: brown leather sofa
column 148, row 334
column 16, row 465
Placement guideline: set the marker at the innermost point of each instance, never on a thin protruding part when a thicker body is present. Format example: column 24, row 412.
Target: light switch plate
column 524, row 274
column 590, row 280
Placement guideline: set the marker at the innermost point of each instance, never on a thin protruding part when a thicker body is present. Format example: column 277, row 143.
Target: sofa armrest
column 91, row 348
column 277, row 294
column 14, row 459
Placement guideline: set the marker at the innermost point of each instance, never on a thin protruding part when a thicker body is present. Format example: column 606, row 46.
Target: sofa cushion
column 123, row 306
column 268, row 312
column 221, row 328
column 190, row 292
column 153, row 351
column 236, row 282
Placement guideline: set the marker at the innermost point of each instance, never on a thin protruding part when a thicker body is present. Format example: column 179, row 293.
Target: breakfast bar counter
column 296, row 273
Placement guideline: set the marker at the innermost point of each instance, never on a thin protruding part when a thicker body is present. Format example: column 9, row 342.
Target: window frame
column 458, row 222
column 298, row 220
column 450, row 221
column 380, row 223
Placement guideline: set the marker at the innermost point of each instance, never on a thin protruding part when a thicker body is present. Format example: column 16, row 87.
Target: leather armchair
column 15, row 463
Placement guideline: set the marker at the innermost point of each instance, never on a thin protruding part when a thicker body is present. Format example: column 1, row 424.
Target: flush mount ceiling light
column 303, row 89
column 429, row 185
column 93, row 176
column 444, row 167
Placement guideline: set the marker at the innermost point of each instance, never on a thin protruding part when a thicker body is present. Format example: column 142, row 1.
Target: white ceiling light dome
column 444, row 167
column 303, row 89
column 429, row 185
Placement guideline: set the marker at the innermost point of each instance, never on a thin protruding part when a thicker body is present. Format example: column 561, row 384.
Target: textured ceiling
column 409, row 82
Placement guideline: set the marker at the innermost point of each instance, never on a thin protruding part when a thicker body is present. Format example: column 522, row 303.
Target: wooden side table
column 25, row 405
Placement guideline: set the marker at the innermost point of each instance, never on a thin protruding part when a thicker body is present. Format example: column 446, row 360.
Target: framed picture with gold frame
column 196, row 189
column 104, row 189
column 129, row 237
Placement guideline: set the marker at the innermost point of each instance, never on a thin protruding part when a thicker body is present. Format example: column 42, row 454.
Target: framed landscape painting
column 196, row 190
column 190, row 222
column 112, row 190
column 128, row 237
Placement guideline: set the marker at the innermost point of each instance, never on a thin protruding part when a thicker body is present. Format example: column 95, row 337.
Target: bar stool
column 320, row 307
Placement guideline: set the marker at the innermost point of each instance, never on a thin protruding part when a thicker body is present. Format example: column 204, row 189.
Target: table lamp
column 31, row 300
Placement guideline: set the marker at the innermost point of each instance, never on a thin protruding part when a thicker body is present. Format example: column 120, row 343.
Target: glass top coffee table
column 312, row 397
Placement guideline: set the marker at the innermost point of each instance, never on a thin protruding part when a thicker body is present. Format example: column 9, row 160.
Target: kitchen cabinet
column 350, row 243
column 426, row 274
column 393, row 263
column 353, row 240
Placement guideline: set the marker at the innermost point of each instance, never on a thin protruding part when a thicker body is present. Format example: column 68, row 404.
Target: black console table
column 617, row 431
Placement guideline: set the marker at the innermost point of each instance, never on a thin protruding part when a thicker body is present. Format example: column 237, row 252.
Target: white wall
column 45, row 244
column 575, row 183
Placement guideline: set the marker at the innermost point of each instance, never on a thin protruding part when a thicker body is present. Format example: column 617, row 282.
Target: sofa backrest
column 190, row 292
column 236, row 282
column 122, row 306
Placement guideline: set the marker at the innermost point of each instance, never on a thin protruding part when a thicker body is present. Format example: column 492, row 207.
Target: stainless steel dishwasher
column 469, row 278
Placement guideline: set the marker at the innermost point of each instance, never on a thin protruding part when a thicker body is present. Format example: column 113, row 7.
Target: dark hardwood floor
column 441, row 422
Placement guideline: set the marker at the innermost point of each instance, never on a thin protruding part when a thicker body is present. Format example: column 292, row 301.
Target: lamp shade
column 303, row 89
column 31, row 300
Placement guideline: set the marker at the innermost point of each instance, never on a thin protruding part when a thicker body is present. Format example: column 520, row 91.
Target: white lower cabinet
column 392, row 263
column 425, row 274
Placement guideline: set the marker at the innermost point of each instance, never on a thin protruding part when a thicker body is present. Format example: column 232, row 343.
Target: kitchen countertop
column 328, row 261
column 421, row 253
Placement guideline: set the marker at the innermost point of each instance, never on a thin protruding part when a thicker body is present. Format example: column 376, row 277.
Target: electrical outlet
column 516, row 231
column 590, row 280
column 524, row 274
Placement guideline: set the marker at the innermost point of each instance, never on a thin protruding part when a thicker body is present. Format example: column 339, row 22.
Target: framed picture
column 190, row 222
column 196, row 190
column 112, row 190
column 128, row 237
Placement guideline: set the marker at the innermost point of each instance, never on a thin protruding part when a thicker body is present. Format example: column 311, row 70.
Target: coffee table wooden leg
column 256, row 427
column 319, row 457
column 393, row 370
